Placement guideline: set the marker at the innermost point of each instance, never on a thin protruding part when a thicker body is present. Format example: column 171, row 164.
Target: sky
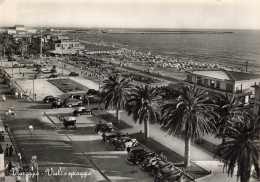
column 208, row 14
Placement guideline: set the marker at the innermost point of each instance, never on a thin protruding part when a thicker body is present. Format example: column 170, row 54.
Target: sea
column 237, row 48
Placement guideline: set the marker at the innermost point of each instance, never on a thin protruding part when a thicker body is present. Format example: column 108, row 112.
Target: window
column 199, row 80
column 189, row 78
column 217, row 84
column 212, row 83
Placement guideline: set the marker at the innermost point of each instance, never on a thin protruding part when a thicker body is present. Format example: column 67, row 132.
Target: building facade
column 66, row 46
column 220, row 80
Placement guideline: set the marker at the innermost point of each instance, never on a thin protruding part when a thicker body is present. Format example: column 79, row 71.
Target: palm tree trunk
column 117, row 114
column 146, row 130
column 187, row 151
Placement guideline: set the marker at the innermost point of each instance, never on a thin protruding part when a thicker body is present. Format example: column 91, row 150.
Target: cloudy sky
column 229, row 14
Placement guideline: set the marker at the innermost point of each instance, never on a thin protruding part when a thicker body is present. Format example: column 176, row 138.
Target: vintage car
column 49, row 98
column 69, row 121
column 73, row 74
column 149, row 163
column 72, row 102
column 169, row 174
column 82, row 111
column 104, row 127
column 160, row 165
column 56, row 104
column 112, row 135
column 79, row 97
column 124, row 143
column 136, row 156
column 53, row 75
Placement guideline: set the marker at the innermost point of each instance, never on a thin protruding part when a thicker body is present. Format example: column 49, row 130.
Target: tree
column 115, row 92
column 189, row 113
column 241, row 149
column 7, row 43
column 144, row 105
column 228, row 106
column 23, row 46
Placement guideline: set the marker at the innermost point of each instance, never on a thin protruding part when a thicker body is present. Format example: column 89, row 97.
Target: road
column 66, row 156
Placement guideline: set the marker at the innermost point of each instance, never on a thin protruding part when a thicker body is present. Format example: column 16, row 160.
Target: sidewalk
column 13, row 158
column 198, row 156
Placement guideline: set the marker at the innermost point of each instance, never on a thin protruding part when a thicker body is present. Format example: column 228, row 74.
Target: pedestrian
column 3, row 98
column 1, row 136
column 23, row 74
column 6, row 150
column 18, row 178
column 8, row 167
column 35, row 96
column 26, row 94
column 21, row 94
column 19, row 155
column 10, row 84
column 31, row 129
column 11, row 150
column 16, row 94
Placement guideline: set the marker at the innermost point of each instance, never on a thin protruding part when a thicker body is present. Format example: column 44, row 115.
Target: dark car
column 49, row 98
column 112, row 135
column 169, row 174
column 92, row 92
column 136, row 156
column 149, row 163
column 125, row 143
column 69, row 121
column 53, row 76
column 73, row 74
column 160, row 165
column 103, row 127
column 16, row 66
column 82, row 111
column 56, row 104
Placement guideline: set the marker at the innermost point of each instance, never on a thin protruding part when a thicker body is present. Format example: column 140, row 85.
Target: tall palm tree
column 228, row 106
column 241, row 149
column 189, row 113
column 144, row 105
column 116, row 92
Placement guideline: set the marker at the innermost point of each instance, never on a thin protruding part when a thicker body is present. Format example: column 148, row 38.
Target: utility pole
column 12, row 64
column 246, row 65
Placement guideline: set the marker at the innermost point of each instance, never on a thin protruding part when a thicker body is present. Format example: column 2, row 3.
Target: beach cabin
column 220, row 80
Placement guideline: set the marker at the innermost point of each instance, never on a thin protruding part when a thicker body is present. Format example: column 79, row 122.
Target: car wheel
column 47, row 101
column 70, row 105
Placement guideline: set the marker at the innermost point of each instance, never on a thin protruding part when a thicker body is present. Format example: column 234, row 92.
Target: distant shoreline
column 165, row 32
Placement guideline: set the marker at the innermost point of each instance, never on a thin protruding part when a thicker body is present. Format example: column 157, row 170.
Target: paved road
column 55, row 151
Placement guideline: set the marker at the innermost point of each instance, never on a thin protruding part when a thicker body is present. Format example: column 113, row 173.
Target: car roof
column 80, row 108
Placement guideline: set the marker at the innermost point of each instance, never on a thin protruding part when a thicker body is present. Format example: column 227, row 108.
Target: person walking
column 31, row 129
column 3, row 98
column 16, row 94
column 8, row 168
column 35, row 96
column 11, row 149
column 21, row 94
column 6, row 150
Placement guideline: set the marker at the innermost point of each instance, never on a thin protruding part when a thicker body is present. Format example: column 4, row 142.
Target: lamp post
column 12, row 64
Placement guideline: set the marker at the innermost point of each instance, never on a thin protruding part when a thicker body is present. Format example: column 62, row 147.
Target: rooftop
column 225, row 74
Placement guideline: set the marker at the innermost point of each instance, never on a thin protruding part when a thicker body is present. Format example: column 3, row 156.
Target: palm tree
column 116, row 92
column 241, row 149
column 23, row 46
column 144, row 104
column 189, row 113
column 228, row 106
column 6, row 41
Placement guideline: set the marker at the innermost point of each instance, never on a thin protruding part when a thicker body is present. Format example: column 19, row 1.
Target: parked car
column 69, row 121
column 112, row 135
column 73, row 74
column 53, row 76
column 149, row 163
column 49, row 98
column 168, row 174
column 125, row 143
column 79, row 97
column 104, row 127
column 82, row 111
column 56, row 104
column 136, row 156
column 72, row 102
column 92, row 92
column 16, row 66
column 160, row 165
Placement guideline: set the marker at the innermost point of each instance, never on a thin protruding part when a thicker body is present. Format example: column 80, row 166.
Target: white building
column 220, row 80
